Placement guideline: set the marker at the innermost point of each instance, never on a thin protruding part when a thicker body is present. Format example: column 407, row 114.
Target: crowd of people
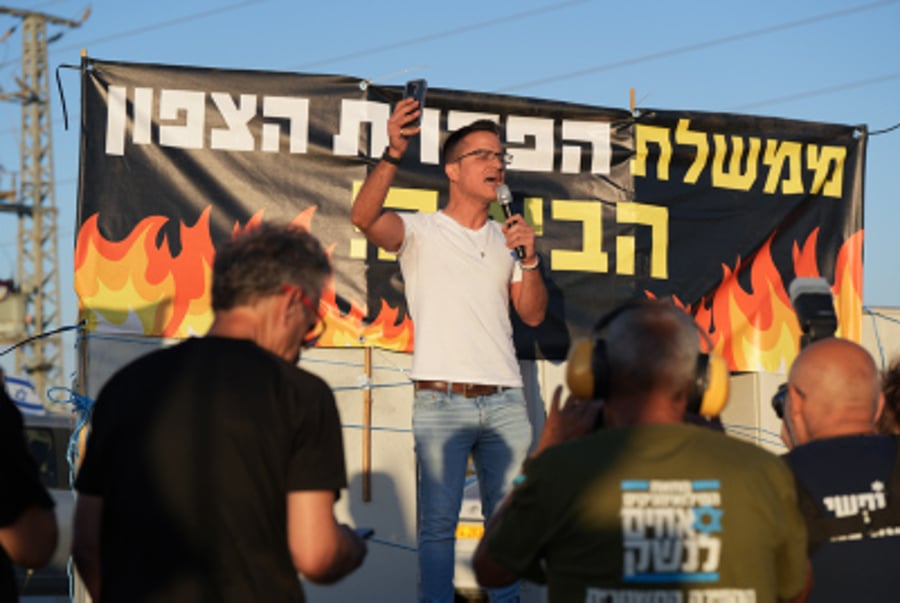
column 657, row 507
column 213, row 466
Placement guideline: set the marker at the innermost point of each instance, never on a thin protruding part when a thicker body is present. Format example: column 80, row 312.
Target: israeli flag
column 25, row 396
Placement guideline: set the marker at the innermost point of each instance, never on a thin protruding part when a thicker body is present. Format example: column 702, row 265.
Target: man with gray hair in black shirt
column 213, row 466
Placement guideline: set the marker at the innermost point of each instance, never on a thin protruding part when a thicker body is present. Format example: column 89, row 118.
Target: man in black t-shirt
column 28, row 530
column 213, row 466
column 847, row 476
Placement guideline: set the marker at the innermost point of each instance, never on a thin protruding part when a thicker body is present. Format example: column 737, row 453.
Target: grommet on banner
column 365, row 83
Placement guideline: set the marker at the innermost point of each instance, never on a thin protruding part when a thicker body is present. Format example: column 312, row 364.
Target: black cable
column 885, row 130
column 62, row 96
column 79, row 325
column 880, row 315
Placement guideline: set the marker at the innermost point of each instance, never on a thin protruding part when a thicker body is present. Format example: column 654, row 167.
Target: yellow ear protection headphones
column 587, row 371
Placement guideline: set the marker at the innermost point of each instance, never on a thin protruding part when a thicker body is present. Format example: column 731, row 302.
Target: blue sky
column 834, row 61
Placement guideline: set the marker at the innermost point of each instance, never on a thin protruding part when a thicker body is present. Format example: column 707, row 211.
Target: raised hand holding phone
column 416, row 89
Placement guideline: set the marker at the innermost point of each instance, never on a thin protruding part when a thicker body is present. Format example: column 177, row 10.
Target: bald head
column 838, row 386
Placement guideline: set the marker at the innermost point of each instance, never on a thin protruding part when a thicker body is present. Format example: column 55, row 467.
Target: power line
column 533, row 12
column 40, row 5
column 559, row 6
column 698, row 46
column 820, row 91
column 146, row 28
column 443, row 34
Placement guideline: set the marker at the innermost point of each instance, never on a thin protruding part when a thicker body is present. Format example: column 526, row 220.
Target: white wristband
column 537, row 262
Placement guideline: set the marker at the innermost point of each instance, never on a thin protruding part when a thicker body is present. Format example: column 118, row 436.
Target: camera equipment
column 814, row 307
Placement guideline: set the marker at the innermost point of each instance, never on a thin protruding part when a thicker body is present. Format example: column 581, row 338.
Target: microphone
column 504, row 198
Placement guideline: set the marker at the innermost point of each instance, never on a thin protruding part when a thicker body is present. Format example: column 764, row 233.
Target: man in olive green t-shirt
column 649, row 508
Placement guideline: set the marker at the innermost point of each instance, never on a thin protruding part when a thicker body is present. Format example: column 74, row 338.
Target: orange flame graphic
column 138, row 286
column 759, row 330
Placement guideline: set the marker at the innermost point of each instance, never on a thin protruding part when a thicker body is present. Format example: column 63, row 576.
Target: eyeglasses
column 315, row 331
column 780, row 398
column 486, row 155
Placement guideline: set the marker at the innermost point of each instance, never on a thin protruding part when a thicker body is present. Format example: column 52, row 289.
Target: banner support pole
column 367, row 428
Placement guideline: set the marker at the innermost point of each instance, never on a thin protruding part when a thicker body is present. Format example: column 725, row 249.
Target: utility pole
column 38, row 258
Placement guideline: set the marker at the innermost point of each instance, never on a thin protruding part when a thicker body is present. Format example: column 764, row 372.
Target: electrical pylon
column 38, row 257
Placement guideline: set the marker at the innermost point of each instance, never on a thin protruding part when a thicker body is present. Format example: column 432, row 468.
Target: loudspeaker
column 587, row 370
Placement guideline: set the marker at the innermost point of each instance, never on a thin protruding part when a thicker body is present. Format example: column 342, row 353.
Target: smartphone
column 365, row 533
column 416, row 89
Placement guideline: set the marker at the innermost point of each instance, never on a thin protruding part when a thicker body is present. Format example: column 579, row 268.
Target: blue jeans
column 447, row 428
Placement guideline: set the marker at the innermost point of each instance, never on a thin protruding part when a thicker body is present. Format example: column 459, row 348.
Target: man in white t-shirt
column 460, row 274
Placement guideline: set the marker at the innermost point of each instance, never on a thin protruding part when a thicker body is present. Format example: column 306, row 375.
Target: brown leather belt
column 469, row 390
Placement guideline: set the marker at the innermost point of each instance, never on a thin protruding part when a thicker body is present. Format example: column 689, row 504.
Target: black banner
column 692, row 206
